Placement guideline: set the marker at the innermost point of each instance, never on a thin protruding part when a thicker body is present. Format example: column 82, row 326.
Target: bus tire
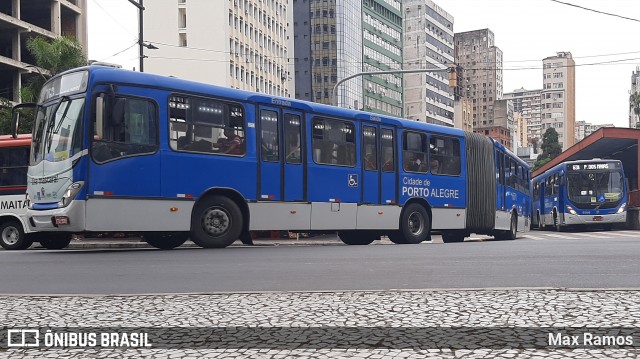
column 216, row 222
column 55, row 240
column 415, row 223
column 397, row 237
column 453, row 236
column 163, row 240
column 12, row 236
column 357, row 238
column 510, row 234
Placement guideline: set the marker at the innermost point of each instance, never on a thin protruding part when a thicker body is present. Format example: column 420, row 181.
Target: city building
column 428, row 44
column 634, row 120
column 21, row 20
column 481, row 79
column 463, row 114
column 328, row 47
column 503, row 127
column 338, row 39
column 520, row 130
column 584, row 129
column 558, row 97
column 527, row 103
column 244, row 44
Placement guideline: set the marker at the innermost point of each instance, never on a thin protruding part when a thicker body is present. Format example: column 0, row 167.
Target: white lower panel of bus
column 104, row 214
column 503, row 222
column 267, row 216
column 448, row 218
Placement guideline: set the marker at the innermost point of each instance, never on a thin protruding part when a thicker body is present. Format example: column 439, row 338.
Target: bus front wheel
column 357, row 238
column 12, row 236
column 415, row 224
column 54, row 240
column 216, row 222
column 162, row 240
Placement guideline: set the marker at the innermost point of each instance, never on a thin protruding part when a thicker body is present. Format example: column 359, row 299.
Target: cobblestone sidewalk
column 382, row 309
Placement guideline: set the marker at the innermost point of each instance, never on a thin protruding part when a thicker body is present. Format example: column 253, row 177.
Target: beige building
column 521, row 130
column 428, row 44
column 463, row 118
column 244, row 44
column 634, row 120
column 558, row 97
column 21, row 20
column 527, row 103
column 481, row 79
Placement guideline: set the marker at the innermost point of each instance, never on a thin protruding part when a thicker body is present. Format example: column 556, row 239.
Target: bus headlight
column 571, row 210
column 70, row 194
column 622, row 208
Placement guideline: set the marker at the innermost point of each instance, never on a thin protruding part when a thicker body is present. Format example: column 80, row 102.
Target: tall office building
column 21, row 20
column 558, row 97
column 481, row 80
column 245, row 44
column 428, row 44
column 634, row 120
column 328, row 47
column 527, row 103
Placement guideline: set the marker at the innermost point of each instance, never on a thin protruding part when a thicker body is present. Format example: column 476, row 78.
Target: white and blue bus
column 586, row 192
column 115, row 150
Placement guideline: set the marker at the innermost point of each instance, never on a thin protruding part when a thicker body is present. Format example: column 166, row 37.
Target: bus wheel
column 163, row 240
column 357, row 238
column 512, row 233
column 216, row 222
column 453, row 236
column 415, row 224
column 397, row 237
column 12, row 236
column 556, row 223
column 55, row 240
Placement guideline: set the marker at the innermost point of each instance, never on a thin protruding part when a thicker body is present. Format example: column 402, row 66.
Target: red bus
column 14, row 161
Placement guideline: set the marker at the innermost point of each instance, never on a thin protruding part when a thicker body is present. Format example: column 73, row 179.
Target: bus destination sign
column 594, row 166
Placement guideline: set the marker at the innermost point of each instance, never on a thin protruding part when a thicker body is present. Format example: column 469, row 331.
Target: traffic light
column 453, row 76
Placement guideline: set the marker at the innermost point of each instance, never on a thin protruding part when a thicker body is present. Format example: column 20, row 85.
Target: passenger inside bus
column 435, row 166
column 232, row 144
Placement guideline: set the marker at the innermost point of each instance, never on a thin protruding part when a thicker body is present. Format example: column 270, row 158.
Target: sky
column 605, row 48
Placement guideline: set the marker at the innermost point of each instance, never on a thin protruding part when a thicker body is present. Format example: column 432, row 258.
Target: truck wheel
column 55, row 240
column 415, row 224
column 12, row 236
column 357, row 238
column 162, row 240
column 216, row 222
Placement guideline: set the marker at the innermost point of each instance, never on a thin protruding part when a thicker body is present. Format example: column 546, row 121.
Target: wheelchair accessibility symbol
column 353, row 180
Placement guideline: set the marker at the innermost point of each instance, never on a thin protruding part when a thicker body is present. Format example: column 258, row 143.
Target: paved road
column 539, row 259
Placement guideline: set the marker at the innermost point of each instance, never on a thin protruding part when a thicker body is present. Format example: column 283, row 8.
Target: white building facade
column 244, row 44
column 558, row 98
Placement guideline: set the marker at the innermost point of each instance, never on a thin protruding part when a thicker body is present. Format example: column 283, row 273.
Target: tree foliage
column 551, row 148
column 634, row 105
column 54, row 56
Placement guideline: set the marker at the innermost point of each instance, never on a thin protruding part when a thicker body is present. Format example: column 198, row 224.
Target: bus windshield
column 595, row 187
column 57, row 136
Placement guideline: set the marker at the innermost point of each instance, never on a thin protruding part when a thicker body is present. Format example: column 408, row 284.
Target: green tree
column 551, row 148
column 634, row 104
column 54, row 56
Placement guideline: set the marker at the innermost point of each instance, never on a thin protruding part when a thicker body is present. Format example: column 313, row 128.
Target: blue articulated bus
column 586, row 192
column 115, row 150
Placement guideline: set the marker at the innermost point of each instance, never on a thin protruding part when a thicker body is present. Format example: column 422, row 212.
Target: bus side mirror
column 15, row 117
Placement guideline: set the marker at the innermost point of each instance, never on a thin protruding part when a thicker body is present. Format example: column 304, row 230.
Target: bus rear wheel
column 357, row 238
column 12, row 236
column 54, row 240
column 397, row 237
column 512, row 233
column 216, row 222
column 415, row 224
column 163, row 240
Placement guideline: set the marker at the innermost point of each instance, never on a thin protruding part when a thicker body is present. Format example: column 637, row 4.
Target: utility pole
column 141, row 44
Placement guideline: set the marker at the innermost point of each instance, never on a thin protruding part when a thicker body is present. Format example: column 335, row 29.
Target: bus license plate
column 597, row 218
column 62, row 220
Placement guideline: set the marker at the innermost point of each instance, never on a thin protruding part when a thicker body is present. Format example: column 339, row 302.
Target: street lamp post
column 141, row 44
column 451, row 70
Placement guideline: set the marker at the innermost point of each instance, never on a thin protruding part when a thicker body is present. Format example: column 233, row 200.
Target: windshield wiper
column 52, row 120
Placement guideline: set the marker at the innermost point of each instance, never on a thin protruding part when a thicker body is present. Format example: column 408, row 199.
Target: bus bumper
column 45, row 221
column 570, row 219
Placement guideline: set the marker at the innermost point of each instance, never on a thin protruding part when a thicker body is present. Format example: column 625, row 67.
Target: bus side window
column 388, row 149
column 445, row 155
column 334, row 142
column 414, row 152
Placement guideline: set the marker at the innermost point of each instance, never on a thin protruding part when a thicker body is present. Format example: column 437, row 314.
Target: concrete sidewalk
column 137, row 242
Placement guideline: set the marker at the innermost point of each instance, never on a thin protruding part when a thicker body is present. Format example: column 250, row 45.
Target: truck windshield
column 595, row 187
column 57, row 136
